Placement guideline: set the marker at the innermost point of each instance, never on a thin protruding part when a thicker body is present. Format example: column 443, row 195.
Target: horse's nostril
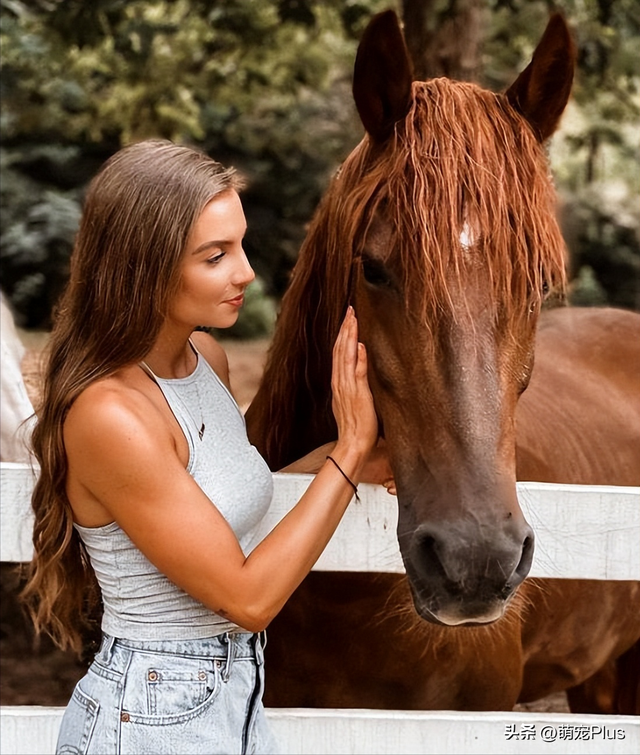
column 456, row 566
column 429, row 557
column 523, row 567
column 429, row 543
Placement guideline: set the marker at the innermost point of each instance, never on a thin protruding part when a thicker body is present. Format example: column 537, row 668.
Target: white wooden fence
column 581, row 531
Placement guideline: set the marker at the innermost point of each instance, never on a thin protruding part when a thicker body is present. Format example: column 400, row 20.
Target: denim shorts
column 186, row 697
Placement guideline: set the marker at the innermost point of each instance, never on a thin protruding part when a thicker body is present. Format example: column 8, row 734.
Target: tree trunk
column 444, row 38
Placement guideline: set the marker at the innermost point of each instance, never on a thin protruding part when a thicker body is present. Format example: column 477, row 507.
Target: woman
column 148, row 481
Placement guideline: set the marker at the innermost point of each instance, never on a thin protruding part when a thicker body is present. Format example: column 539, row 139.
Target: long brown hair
column 138, row 213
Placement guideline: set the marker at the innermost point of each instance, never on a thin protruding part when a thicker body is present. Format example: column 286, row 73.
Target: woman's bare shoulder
column 116, row 408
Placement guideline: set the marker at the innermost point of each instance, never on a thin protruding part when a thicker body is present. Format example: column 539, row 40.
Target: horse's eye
column 374, row 272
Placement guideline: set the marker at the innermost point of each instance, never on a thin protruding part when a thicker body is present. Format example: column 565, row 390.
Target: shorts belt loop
column 231, row 654
column 260, row 643
column 106, row 648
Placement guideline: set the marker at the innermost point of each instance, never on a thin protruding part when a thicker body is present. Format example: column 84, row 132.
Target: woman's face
column 215, row 271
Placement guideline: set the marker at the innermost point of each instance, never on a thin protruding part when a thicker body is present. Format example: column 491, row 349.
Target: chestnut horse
column 440, row 229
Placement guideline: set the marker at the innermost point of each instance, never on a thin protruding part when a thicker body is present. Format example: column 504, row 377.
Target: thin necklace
column 202, row 428
column 155, row 379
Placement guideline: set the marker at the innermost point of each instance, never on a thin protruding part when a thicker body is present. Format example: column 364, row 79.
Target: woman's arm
column 376, row 469
column 126, row 461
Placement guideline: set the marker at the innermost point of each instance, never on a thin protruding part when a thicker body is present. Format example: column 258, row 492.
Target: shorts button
column 124, row 717
column 153, row 676
column 202, row 675
column 217, row 664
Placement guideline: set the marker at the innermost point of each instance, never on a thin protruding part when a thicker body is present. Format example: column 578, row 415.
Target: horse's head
column 440, row 229
column 458, row 245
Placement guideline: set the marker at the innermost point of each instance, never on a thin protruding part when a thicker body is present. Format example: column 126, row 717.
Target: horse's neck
column 291, row 412
column 288, row 418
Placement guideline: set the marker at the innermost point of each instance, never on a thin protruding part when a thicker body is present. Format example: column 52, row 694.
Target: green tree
column 595, row 154
column 260, row 84
column 265, row 85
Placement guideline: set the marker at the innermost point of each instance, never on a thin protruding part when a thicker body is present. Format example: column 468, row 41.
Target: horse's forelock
column 464, row 158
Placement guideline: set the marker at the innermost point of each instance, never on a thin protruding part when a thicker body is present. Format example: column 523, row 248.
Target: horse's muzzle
column 458, row 576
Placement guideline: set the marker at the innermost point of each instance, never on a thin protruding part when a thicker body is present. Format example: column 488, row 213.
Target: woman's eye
column 216, row 258
column 375, row 273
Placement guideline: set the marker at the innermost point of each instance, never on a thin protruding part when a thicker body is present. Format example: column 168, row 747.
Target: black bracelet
column 355, row 487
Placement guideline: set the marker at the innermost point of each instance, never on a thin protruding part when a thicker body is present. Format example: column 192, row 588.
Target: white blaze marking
column 467, row 239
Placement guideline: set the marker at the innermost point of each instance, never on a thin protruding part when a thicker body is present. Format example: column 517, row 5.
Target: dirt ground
column 44, row 675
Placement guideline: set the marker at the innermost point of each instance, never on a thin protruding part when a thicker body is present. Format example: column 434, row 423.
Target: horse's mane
column 463, row 155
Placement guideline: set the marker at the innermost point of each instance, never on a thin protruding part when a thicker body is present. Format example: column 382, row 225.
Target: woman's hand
column 352, row 400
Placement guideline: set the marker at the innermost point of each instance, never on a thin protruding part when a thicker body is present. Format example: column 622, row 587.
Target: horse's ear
column 542, row 90
column 382, row 76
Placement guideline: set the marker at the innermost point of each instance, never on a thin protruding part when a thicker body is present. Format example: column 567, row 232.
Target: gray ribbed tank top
column 139, row 601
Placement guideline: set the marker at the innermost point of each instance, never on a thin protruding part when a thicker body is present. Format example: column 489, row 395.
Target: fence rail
column 582, row 531
column 588, row 532
column 300, row 731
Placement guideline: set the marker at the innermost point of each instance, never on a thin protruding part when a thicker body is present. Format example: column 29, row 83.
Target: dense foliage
column 265, row 85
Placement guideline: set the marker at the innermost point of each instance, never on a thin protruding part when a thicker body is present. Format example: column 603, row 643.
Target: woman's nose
column 244, row 272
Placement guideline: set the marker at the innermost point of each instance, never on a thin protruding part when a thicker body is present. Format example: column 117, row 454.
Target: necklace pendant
column 201, row 431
